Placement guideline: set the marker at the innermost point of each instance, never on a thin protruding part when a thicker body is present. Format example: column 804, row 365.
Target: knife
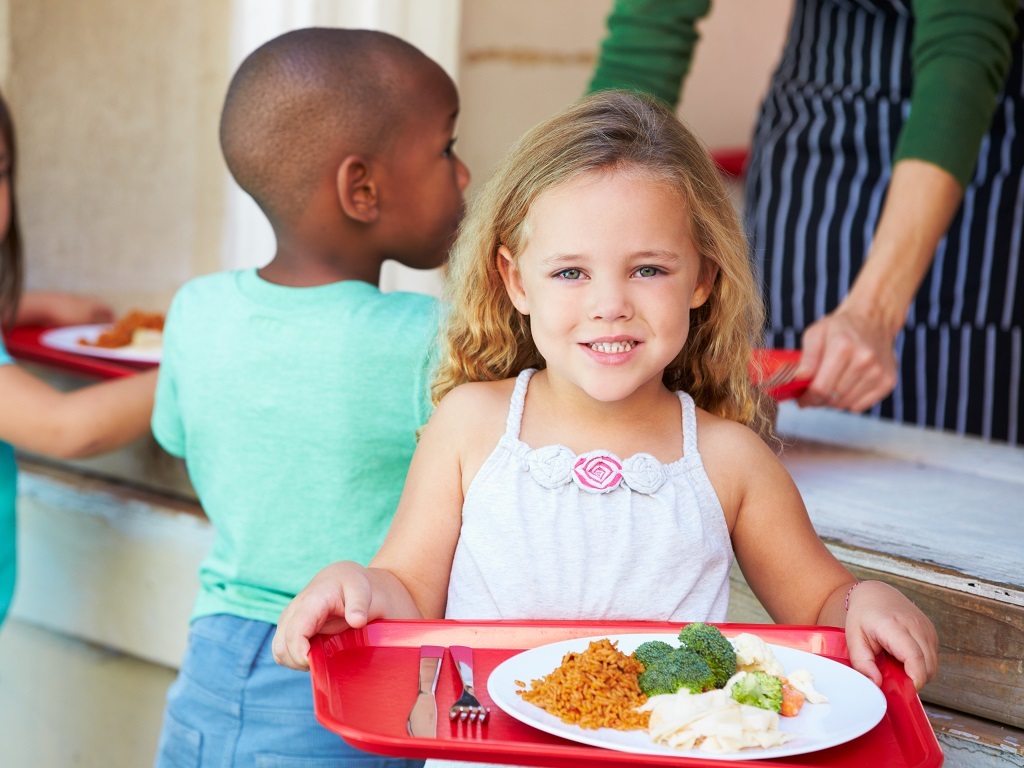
column 423, row 715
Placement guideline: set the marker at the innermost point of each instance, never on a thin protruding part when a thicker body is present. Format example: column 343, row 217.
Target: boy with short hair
column 294, row 392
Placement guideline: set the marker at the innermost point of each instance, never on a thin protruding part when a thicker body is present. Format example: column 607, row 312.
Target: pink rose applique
column 597, row 472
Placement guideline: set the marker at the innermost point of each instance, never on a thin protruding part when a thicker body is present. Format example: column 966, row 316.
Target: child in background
column 602, row 306
column 33, row 415
column 294, row 392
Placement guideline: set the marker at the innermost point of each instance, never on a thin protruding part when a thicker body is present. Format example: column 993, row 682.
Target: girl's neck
column 649, row 421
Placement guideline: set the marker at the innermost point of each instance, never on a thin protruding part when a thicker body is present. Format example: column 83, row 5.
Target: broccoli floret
column 712, row 646
column 679, row 669
column 651, row 652
column 758, row 689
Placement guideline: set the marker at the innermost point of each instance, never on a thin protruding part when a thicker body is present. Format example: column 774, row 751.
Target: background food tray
column 364, row 682
column 24, row 343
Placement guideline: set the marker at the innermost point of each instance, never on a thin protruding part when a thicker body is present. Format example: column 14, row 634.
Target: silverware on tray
column 467, row 706
column 423, row 715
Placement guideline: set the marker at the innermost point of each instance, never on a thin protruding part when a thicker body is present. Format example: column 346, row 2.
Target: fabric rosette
column 551, row 466
column 643, row 473
column 597, row 472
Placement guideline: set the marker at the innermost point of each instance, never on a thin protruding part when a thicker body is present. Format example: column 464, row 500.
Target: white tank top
column 547, row 534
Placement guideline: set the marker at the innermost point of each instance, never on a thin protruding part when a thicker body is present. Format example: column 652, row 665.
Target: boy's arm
column 59, row 308
column 36, row 417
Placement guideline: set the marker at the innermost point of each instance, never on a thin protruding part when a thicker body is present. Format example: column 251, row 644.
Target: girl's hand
column 883, row 619
column 59, row 308
column 336, row 599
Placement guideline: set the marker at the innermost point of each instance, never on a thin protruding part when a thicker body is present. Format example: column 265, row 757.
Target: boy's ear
column 512, row 279
column 357, row 190
column 705, row 282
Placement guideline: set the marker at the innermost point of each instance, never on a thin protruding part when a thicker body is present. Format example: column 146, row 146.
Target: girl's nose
column 609, row 301
column 461, row 174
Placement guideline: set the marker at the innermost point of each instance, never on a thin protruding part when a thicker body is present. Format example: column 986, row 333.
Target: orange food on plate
column 593, row 689
column 125, row 332
column 792, row 701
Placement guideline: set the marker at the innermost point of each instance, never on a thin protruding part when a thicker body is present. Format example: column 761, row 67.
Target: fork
column 467, row 707
column 780, row 376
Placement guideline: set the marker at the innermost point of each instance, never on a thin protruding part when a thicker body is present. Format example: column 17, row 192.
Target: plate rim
column 47, row 339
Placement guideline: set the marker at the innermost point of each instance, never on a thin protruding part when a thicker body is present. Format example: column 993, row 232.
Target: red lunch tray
column 23, row 343
column 365, row 681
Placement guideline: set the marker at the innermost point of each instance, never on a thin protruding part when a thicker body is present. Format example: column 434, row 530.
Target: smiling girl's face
column 608, row 277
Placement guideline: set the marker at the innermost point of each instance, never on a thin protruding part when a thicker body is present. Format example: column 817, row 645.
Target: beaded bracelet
column 850, row 592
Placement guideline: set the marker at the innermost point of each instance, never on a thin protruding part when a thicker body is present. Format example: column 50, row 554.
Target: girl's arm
column 36, row 417
column 59, row 308
column 791, row 571
column 408, row 578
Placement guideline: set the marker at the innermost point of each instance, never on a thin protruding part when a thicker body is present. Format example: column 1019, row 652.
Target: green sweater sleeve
column 649, row 46
column 960, row 56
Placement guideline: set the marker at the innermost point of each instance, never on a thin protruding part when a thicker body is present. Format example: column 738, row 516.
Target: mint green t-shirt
column 296, row 412
column 8, row 491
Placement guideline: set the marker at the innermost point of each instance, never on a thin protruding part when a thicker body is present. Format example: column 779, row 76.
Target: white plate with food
column 855, row 705
column 144, row 345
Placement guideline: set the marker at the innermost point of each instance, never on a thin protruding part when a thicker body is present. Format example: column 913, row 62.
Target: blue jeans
column 231, row 705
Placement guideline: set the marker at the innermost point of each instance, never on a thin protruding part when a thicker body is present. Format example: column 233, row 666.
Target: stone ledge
column 106, row 562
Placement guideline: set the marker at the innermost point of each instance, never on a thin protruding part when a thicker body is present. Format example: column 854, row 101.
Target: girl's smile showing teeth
column 612, row 347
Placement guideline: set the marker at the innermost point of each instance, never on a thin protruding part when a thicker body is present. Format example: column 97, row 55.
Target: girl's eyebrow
column 558, row 259
column 659, row 254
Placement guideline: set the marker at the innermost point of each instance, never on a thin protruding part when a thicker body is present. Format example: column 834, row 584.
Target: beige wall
column 122, row 188
column 120, row 179
column 522, row 61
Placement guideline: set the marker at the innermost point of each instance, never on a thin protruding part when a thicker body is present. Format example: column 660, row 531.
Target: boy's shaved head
column 305, row 100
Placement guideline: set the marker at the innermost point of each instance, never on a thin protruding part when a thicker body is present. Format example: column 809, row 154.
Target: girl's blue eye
column 449, row 149
column 648, row 271
column 570, row 274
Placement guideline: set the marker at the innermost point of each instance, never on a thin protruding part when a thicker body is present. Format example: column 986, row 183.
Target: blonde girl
column 602, row 306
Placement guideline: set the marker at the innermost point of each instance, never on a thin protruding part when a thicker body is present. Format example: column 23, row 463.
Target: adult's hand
column 850, row 359
column 849, row 354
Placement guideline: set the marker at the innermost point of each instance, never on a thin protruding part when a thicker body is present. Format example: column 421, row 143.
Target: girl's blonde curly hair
column 485, row 338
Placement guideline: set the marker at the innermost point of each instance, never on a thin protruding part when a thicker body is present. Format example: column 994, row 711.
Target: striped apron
column 819, row 166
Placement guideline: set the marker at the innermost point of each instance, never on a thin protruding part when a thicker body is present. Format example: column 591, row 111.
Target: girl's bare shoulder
column 477, row 397
column 717, row 435
column 734, row 457
column 475, row 408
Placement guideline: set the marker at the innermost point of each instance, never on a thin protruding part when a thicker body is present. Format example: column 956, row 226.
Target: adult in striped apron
column 892, row 130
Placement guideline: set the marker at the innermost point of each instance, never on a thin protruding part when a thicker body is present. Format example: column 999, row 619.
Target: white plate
column 67, row 339
column 855, row 704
